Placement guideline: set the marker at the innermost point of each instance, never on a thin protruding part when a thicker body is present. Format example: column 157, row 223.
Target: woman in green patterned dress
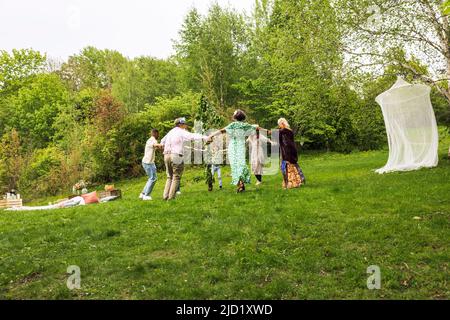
column 238, row 131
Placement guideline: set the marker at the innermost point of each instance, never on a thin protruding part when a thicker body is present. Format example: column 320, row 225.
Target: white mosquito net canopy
column 411, row 127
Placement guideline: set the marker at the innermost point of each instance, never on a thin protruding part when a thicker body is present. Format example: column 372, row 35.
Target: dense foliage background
column 89, row 117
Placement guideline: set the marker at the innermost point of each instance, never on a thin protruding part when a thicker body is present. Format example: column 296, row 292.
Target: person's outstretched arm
column 193, row 136
column 218, row 132
column 258, row 128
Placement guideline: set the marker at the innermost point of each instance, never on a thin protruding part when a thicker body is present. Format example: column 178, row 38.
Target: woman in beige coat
column 258, row 154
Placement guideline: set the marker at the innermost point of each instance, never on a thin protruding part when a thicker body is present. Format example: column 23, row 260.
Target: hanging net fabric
column 411, row 127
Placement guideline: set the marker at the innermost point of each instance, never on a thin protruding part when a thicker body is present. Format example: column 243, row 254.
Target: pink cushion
column 90, row 197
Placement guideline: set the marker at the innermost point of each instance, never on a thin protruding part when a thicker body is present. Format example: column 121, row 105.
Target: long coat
column 257, row 152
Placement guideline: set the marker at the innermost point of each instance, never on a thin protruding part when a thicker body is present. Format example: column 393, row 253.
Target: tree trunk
column 448, row 79
column 446, row 32
column 446, row 49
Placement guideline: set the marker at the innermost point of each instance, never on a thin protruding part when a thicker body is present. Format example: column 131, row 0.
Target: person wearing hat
column 173, row 144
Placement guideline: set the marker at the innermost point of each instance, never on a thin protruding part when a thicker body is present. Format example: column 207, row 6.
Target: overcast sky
column 63, row 27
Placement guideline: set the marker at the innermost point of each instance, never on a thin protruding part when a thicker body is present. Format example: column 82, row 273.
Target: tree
column 210, row 53
column 33, row 110
column 165, row 110
column 209, row 120
column 446, row 7
column 17, row 69
column 108, row 112
column 297, row 62
column 11, row 161
column 378, row 32
column 92, row 68
column 208, row 115
column 144, row 79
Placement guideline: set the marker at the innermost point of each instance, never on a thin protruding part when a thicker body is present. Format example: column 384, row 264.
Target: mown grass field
column 311, row 243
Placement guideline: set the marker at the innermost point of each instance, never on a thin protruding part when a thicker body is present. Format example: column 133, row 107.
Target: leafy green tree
column 92, row 68
column 116, row 153
column 298, row 62
column 376, row 30
column 11, row 161
column 34, row 110
column 210, row 120
column 71, row 121
column 165, row 110
column 210, row 53
column 446, row 7
column 108, row 112
column 44, row 173
column 83, row 103
column 17, row 69
column 144, row 79
column 208, row 115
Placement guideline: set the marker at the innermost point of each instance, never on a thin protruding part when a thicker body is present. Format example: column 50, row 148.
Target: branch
column 434, row 19
column 427, row 80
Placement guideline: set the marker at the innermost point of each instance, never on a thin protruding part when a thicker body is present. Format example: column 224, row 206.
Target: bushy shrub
column 44, row 173
column 11, row 161
column 166, row 110
column 108, row 112
column 369, row 124
column 118, row 153
column 132, row 135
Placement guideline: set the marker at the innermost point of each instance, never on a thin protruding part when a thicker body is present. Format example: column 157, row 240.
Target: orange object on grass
column 109, row 187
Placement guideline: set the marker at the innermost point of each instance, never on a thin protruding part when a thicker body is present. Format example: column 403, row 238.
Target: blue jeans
column 216, row 168
column 150, row 170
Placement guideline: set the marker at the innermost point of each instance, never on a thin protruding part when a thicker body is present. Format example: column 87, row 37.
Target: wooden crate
column 112, row 193
column 9, row 203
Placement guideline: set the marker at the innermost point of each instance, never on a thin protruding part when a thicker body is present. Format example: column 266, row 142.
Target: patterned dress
column 293, row 176
column 238, row 131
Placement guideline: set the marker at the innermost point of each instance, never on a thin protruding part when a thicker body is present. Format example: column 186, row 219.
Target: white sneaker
column 258, row 183
column 147, row 198
column 141, row 196
column 178, row 192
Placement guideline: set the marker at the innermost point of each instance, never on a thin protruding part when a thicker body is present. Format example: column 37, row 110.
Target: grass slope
column 311, row 243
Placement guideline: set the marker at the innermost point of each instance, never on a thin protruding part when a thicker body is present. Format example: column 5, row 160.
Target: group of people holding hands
column 239, row 132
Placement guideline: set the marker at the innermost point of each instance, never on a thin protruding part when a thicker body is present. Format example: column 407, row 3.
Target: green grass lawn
column 311, row 243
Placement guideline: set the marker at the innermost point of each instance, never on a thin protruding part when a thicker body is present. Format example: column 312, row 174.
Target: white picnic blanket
column 74, row 202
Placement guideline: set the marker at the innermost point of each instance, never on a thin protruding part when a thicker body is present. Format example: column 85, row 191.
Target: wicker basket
column 112, row 193
column 9, row 203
